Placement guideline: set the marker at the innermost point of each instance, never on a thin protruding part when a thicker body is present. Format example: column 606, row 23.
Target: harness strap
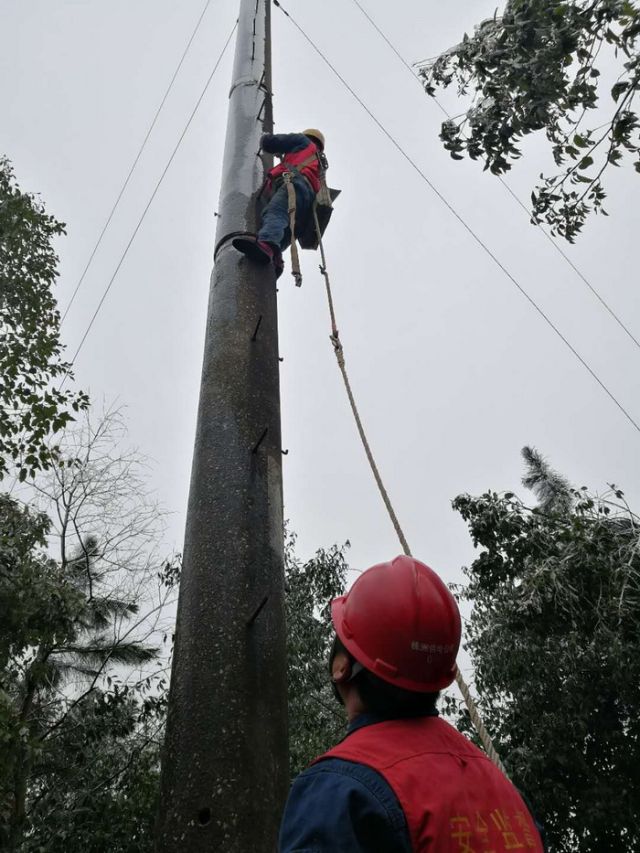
column 291, row 197
column 310, row 159
column 297, row 170
column 287, row 176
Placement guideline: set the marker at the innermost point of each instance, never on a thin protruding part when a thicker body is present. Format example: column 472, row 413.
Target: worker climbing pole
column 225, row 764
column 299, row 203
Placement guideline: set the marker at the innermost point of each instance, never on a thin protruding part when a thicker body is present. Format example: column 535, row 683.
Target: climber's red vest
column 311, row 171
column 453, row 797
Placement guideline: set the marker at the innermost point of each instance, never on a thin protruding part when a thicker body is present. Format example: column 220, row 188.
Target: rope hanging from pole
column 339, row 353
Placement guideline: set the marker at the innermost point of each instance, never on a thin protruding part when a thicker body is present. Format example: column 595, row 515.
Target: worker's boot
column 256, row 250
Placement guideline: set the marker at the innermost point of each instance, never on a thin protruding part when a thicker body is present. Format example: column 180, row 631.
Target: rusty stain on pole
column 224, row 768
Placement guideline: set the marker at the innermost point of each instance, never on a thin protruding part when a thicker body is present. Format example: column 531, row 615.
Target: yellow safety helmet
column 316, row 134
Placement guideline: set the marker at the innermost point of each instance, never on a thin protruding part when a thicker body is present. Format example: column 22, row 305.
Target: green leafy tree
column 553, row 636
column 83, row 614
column 96, row 787
column 61, row 640
column 315, row 718
column 535, row 68
column 33, row 407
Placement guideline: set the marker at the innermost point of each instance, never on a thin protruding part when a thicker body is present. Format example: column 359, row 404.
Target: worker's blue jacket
column 344, row 805
column 338, row 806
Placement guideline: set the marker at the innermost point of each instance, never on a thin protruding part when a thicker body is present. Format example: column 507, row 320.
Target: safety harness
column 321, row 212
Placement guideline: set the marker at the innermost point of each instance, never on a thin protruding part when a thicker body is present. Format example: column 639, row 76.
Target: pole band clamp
column 230, row 236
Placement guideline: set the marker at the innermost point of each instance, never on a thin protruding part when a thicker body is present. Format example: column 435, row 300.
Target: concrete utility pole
column 224, row 770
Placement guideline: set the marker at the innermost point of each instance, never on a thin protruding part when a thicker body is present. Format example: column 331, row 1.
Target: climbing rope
column 339, row 353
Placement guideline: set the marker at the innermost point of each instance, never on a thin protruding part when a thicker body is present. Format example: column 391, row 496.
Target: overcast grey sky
column 452, row 369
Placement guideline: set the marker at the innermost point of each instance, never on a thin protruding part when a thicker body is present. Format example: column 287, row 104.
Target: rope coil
column 338, row 349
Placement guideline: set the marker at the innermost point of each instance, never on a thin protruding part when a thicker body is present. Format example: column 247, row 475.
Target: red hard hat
column 400, row 621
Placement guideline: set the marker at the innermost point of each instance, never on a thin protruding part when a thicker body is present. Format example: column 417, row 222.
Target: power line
column 504, row 183
column 460, row 219
column 153, row 195
column 137, row 158
column 576, row 269
column 392, row 46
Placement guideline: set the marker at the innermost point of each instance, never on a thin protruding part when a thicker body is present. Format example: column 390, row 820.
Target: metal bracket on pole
column 228, row 238
column 260, row 115
column 245, row 81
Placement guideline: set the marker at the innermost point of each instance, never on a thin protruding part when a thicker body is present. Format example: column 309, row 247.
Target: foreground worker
column 302, row 163
column 402, row 779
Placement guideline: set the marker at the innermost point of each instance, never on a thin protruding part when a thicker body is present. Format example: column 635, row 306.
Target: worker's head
column 316, row 136
column 397, row 638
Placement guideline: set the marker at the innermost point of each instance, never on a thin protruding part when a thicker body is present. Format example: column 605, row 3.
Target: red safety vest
column 453, row 797
column 311, row 171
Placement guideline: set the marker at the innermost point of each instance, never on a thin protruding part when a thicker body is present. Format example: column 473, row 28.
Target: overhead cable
column 137, row 158
column 458, row 216
column 504, row 183
column 153, row 195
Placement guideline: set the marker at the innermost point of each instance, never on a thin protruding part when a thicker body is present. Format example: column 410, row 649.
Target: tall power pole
column 224, row 769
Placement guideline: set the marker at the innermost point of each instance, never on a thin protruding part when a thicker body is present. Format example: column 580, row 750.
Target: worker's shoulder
column 343, row 781
column 332, row 771
column 337, row 805
column 284, row 142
